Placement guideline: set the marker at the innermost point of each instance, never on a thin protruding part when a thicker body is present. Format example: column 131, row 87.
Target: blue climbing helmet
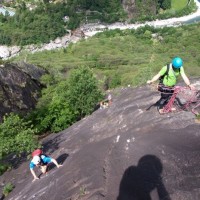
column 177, row 62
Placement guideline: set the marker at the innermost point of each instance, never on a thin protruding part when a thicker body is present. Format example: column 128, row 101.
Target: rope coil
column 182, row 99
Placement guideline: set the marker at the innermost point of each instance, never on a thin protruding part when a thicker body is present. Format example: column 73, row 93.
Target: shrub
column 83, row 91
column 7, row 189
column 64, row 102
column 4, row 167
column 166, row 4
column 53, row 111
column 16, row 135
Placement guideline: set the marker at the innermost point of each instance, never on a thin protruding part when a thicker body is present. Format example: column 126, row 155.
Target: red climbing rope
column 190, row 99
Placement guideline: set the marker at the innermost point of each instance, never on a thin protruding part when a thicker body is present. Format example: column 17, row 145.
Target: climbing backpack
column 166, row 73
column 36, row 152
column 39, row 152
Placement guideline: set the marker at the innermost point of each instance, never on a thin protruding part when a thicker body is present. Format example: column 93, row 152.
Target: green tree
column 16, row 136
column 64, row 102
column 7, row 189
column 166, row 4
column 73, row 23
column 40, row 25
column 53, row 112
column 83, row 91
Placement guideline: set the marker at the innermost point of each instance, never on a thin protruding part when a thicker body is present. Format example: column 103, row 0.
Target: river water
column 195, row 19
column 191, row 21
column 91, row 29
column 4, row 10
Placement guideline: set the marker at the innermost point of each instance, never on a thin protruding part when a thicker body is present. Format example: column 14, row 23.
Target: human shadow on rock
column 177, row 103
column 153, row 105
column 139, row 181
column 61, row 159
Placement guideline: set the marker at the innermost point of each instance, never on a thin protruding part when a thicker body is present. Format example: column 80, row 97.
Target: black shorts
column 165, row 89
column 166, row 93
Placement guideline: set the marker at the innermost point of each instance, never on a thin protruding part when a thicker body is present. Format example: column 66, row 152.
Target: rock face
column 141, row 7
column 19, row 87
column 129, row 7
column 124, row 152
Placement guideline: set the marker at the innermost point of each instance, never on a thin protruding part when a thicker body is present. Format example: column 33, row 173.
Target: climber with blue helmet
column 42, row 162
column 168, row 78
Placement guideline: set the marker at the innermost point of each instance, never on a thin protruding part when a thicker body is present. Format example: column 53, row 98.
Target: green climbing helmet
column 177, row 62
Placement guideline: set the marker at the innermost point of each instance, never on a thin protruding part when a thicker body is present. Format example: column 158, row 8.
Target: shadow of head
column 139, row 181
column 151, row 163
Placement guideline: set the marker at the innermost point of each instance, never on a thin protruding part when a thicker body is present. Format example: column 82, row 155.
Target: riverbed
column 91, row 29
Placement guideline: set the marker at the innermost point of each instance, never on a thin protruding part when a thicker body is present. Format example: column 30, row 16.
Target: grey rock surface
column 19, row 87
column 124, row 152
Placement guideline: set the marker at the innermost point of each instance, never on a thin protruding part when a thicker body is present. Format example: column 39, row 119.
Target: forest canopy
column 42, row 21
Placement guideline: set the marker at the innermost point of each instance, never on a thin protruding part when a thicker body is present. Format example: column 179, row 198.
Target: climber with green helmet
column 168, row 78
